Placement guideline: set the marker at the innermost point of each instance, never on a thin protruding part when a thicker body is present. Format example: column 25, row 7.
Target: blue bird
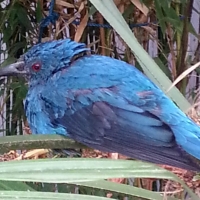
column 105, row 104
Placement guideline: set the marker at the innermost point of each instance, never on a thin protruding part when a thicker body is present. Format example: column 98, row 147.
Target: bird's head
column 45, row 59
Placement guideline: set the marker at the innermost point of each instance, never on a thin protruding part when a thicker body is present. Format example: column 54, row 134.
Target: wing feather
column 134, row 132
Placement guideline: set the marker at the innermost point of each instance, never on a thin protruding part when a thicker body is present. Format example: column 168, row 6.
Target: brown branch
column 181, row 64
column 102, row 34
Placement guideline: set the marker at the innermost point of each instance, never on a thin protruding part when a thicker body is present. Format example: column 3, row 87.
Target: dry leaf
column 141, row 6
column 65, row 4
column 183, row 75
column 81, row 28
column 35, row 153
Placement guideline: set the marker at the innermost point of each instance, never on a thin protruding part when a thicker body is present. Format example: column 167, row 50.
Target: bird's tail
column 188, row 138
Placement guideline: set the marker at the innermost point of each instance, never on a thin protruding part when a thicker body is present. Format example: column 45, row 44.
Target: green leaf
column 16, row 47
column 78, row 171
column 38, row 12
column 162, row 66
column 14, row 185
column 8, row 61
column 13, row 195
column 81, row 169
column 124, row 189
column 23, row 18
column 47, row 141
column 160, row 15
column 92, row 10
column 128, row 12
column 114, row 17
column 65, row 170
column 192, row 30
column 175, row 23
column 7, row 33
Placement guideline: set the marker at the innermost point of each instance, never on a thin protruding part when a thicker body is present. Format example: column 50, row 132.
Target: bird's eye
column 36, row 67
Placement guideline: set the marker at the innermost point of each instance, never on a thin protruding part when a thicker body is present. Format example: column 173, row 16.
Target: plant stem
column 27, row 142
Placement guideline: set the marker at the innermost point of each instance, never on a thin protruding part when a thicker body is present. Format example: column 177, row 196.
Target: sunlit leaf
column 79, row 170
column 13, row 195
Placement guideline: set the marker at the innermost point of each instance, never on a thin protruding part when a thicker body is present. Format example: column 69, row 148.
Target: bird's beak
column 14, row 69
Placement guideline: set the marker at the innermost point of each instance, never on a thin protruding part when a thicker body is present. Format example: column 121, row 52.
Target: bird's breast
column 38, row 114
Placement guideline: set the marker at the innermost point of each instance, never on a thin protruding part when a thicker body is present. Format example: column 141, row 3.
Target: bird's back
column 110, row 105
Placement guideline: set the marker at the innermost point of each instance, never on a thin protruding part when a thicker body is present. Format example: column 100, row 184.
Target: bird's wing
column 105, row 119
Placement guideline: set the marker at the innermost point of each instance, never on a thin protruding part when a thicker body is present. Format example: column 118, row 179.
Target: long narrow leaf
column 13, row 195
column 124, row 189
column 47, row 141
column 14, row 185
column 81, row 170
